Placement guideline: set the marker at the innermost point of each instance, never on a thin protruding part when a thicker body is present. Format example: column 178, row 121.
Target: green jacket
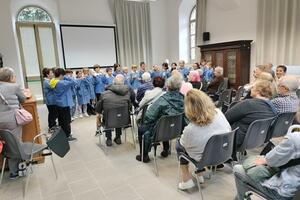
column 170, row 103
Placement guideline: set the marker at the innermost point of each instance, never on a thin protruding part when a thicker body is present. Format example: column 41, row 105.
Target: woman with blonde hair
column 205, row 121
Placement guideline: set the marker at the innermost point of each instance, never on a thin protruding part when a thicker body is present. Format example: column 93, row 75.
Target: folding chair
column 255, row 136
column 15, row 149
column 167, row 128
column 118, row 117
column 217, row 151
column 239, row 93
column 224, row 100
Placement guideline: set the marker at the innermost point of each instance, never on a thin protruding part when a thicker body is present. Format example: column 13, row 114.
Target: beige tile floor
column 87, row 173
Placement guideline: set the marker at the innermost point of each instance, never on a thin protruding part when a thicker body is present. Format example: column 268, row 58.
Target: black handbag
column 58, row 142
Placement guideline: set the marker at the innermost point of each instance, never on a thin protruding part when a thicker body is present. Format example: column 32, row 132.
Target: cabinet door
column 219, row 59
column 231, row 58
column 208, row 56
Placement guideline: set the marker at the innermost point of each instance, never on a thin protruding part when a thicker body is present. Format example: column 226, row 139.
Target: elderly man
column 287, row 101
column 213, row 86
column 168, row 104
column 147, row 85
column 118, row 94
column 183, row 69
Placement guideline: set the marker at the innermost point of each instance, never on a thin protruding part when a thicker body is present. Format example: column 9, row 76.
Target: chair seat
column 27, row 146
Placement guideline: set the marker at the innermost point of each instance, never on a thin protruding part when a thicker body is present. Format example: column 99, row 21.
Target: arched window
column 33, row 14
column 192, row 35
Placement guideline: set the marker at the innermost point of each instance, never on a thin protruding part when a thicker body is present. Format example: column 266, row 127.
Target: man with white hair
column 147, row 85
column 118, row 94
column 287, row 100
column 213, row 86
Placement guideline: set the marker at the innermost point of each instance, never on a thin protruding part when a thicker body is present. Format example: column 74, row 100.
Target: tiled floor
column 88, row 173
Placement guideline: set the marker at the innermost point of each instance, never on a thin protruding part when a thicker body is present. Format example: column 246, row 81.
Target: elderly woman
column 245, row 112
column 205, row 121
column 168, row 104
column 147, row 85
column 195, row 79
column 13, row 94
column 213, row 86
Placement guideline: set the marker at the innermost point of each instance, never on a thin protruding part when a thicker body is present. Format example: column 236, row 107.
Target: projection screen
column 84, row 46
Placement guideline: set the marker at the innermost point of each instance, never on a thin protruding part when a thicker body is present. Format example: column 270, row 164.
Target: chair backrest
column 256, row 134
column 223, row 86
column 218, row 149
column 239, row 93
column 12, row 147
column 225, row 98
column 168, row 127
column 118, row 117
column 281, row 124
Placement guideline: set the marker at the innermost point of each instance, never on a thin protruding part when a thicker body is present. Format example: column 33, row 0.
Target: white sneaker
column 81, row 116
column 186, row 185
column 86, row 115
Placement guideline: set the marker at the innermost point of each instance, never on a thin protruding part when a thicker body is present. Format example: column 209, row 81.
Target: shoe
column 72, row 139
column 108, row 142
column 118, row 141
column 86, row 115
column 186, row 185
column 81, row 116
column 13, row 176
column 145, row 160
column 164, row 154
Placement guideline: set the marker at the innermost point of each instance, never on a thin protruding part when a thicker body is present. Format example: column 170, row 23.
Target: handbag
column 22, row 116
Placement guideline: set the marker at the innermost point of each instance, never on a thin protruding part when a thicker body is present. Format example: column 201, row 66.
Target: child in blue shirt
column 156, row 72
column 117, row 69
column 134, row 78
column 62, row 87
column 109, row 77
column 82, row 94
column 99, row 80
column 91, row 88
column 69, row 73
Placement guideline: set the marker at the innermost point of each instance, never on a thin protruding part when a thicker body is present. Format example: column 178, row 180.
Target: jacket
column 213, row 86
column 63, row 91
column 91, row 87
column 134, row 80
column 170, row 103
column 142, row 89
column 99, row 83
column 83, row 95
column 49, row 93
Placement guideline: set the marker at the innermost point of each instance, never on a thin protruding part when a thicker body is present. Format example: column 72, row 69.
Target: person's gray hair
column 291, row 82
column 146, row 77
column 181, row 61
column 174, row 83
column 219, row 69
column 119, row 80
column 6, row 74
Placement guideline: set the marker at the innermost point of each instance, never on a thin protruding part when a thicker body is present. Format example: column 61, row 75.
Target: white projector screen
column 84, row 46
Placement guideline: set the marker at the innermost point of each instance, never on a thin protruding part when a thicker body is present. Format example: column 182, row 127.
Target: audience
column 280, row 71
column 205, row 121
column 218, row 79
column 287, row 101
column 282, row 185
column 245, row 112
column 11, row 95
column 168, row 104
column 118, row 94
column 147, row 85
column 194, row 79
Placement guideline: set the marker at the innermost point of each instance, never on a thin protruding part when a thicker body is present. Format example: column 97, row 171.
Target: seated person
column 118, row 94
column 194, row 79
column 280, row 71
column 205, row 121
column 287, row 100
column 168, row 104
column 245, row 112
column 151, row 95
column 147, row 85
column 282, row 185
column 213, row 86
column 11, row 94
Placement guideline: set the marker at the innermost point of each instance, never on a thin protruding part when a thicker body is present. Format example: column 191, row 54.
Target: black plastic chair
column 217, row 151
column 281, row 124
column 225, row 100
column 239, row 93
column 167, row 128
column 118, row 117
column 15, row 149
column 255, row 136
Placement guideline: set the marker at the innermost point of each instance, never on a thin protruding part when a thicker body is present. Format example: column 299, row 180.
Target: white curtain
column 278, row 32
column 133, row 32
column 200, row 24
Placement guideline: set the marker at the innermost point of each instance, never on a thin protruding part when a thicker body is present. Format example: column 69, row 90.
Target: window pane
column 193, row 28
column 33, row 14
column 193, row 53
column 193, row 41
column 193, row 15
column 231, row 66
column 47, row 46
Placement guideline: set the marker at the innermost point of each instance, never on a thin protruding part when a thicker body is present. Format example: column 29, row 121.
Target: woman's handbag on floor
column 58, row 142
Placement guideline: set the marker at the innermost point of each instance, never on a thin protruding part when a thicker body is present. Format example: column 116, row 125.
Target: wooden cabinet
column 33, row 128
column 234, row 57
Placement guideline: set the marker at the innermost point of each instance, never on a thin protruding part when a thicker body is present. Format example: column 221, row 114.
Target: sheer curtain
column 200, row 24
column 278, row 32
column 133, row 32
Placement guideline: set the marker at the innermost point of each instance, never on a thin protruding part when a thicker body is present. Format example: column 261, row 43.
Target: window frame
column 190, row 34
column 33, row 22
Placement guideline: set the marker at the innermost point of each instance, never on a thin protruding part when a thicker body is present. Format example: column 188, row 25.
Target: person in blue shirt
column 183, row 70
column 117, row 69
column 156, row 72
column 165, row 71
column 83, row 94
column 49, row 98
column 91, row 88
column 142, row 70
column 109, row 78
column 134, row 78
column 69, row 73
column 208, row 72
column 99, row 80
column 126, row 75
column 62, row 87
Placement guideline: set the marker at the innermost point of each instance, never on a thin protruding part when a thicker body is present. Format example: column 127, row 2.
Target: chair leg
column 142, row 156
column 125, row 136
column 133, row 137
column 178, row 174
column 155, row 163
column 27, row 180
column 2, row 171
column 199, row 187
column 54, row 168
